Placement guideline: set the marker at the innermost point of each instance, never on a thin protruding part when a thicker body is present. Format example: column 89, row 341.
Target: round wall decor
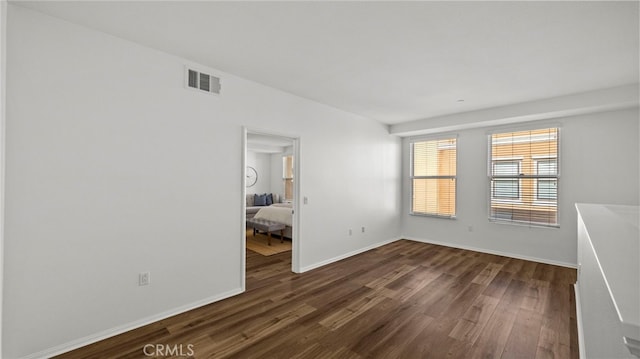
column 252, row 176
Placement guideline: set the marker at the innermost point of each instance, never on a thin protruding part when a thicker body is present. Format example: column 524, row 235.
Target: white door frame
column 295, row 232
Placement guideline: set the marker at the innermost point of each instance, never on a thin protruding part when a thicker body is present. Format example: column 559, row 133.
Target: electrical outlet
column 362, row 229
column 144, row 278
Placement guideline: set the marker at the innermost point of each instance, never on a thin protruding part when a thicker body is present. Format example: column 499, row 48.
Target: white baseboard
column 491, row 251
column 347, row 255
column 581, row 349
column 90, row 339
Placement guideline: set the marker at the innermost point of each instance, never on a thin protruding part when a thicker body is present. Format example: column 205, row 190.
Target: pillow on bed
column 269, row 199
column 259, row 199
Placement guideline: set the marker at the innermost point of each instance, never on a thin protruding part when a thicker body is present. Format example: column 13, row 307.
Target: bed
column 278, row 212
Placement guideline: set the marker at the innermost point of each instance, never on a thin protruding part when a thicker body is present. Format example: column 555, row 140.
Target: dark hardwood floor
column 402, row 300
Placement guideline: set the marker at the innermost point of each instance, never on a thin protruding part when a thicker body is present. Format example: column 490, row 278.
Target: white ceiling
column 389, row 61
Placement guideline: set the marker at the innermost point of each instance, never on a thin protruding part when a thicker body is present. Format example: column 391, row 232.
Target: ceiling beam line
column 610, row 99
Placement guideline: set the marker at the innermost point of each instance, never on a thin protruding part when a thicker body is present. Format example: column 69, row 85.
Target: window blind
column 523, row 172
column 433, row 177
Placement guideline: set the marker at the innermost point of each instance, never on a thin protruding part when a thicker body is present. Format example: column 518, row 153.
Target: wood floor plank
column 248, row 334
column 330, row 308
column 432, row 292
column 545, row 272
column 523, row 340
column 492, row 340
column 286, row 346
column 390, row 277
column 451, row 349
column 429, row 341
column 412, row 283
column 395, row 344
column 536, row 295
column 402, row 300
column 555, row 334
column 488, row 273
column 513, row 265
column 527, row 270
column 361, row 327
column 458, row 287
column 387, row 325
column 498, row 284
column 352, row 311
column 473, row 321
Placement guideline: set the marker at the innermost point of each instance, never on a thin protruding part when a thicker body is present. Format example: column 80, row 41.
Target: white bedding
column 290, row 205
column 276, row 214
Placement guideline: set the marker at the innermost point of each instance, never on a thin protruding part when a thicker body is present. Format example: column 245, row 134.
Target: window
column 287, row 176
column 523, row 175
column 547, row 188
column 433, row 177
column 506, row 188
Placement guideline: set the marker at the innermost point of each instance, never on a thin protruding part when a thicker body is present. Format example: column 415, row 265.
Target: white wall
column 3, row 33
column 113, row 168
column 277, row 185
column 262, row 163
column 599, row 163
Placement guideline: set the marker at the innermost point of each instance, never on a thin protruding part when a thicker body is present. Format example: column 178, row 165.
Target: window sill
column 523, row 224
column 417, row 214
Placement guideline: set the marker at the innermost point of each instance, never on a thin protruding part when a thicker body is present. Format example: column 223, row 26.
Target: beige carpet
column 259, row 244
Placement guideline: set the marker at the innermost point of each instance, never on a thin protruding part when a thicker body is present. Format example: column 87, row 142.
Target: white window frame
column 414, row 140
column 556, row 177
column 518, row 199
column 544, row 202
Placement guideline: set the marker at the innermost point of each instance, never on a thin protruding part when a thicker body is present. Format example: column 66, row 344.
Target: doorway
column 270, row 196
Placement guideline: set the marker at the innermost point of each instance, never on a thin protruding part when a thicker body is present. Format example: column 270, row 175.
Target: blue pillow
column 269, row 199
column 259, row 199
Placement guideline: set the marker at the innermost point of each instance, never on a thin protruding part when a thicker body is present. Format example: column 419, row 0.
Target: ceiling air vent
column 200, row 81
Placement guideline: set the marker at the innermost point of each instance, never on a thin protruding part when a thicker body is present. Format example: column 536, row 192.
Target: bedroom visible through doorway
column 269, row 198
